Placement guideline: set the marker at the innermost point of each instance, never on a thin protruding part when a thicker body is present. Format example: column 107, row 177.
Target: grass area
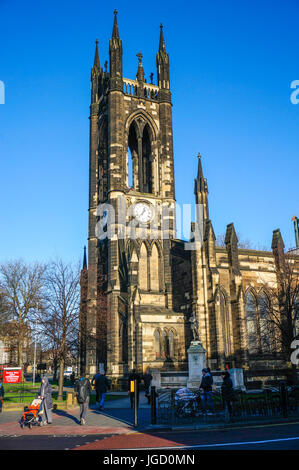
column 25, row 393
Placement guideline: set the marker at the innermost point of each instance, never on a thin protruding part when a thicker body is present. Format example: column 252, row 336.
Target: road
column 272, row 437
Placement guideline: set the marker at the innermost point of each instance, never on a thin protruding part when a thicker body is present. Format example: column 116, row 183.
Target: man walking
column 147, row 378
column 206, row 387
column 83, row 388
column 102, row 386
column 227, row 392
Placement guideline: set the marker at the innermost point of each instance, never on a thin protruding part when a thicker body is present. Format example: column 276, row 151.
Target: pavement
column 113, row 428
column 116, row 418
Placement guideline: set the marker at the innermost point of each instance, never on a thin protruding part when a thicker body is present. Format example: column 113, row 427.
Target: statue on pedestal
column 194, row 326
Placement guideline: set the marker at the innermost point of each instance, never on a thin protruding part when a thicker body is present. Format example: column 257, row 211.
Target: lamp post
column 34, row 359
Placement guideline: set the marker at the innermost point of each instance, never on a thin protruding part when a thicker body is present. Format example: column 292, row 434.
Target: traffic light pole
column 135, row 404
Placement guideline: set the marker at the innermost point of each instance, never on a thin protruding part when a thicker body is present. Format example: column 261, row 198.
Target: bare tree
column 61, row 312
column 21, row 288
column 242, row 243
column 280, row 311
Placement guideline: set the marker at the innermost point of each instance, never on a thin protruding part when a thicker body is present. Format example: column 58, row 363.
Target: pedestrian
column 227, row 392
column 95, row 377
column 132, row 377
column 82, row 389
column 72, row 378
column 206, row 388
column 45, row 393
column 1, row 396
column 102, row 386
column 147, row 378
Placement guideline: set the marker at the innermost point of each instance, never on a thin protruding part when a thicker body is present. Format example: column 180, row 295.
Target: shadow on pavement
column 66, row 415
column 123, row 415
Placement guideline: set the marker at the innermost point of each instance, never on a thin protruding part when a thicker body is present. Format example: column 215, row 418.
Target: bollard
column 153, row 406
column 69, row 399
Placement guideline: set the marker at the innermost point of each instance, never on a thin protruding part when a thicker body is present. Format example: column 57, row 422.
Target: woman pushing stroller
column 45, row 393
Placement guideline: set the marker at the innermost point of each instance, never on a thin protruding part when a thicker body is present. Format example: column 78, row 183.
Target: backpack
column 82, row 391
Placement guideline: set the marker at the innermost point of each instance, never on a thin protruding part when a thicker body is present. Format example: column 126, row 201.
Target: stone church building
column 139, row 294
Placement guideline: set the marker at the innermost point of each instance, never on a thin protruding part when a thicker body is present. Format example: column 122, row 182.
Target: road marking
column 268, row 425
column 218, row 445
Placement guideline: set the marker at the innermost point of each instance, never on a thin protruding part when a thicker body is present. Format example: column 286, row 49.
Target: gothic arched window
column 140, row 160
column 143, row 268
column 133, row 157
column 165, row 344
column 265, row 327
column 157, row 341
column 123, row 340
column 171, row 343
column 154, row 269
column 223, row 335
column 147, row 161
column 250, row 312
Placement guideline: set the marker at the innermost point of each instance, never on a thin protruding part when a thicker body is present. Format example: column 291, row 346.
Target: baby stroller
column 186, row 406
column 31, row 415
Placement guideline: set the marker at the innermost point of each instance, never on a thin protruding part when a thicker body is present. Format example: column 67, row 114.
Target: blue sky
column 232, row 64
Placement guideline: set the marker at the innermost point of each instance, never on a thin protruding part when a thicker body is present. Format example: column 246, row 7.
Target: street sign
column 12, row 375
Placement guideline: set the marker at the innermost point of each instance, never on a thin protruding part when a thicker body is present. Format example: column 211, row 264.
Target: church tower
column 129, row 318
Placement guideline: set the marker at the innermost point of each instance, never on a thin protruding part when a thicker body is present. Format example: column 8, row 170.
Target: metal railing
column 280, row 402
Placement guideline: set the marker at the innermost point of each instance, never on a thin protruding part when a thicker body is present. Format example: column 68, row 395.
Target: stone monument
column 196, row 356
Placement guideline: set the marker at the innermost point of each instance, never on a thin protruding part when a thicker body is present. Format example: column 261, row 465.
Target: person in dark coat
column 147, row 378
column 82, row 389
column 206, row 388
column 72, row 378
column 227, row 392
column 133, row 376
column 45, row 392
column 102, row 386
column 1, row 396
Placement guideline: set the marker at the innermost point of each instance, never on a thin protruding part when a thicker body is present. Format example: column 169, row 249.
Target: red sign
column 12, row 375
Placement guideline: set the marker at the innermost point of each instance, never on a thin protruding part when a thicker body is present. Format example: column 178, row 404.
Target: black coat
column 206, row 383
column 1, row 391
column 227, row 389
column 101, row 383
column 85, row 387
column 147, row 378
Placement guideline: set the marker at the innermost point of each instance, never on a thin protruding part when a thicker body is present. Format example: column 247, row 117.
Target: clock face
column 143, row 212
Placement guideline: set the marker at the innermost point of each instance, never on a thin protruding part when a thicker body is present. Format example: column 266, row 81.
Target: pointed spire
column 84, row 259
column 201, row 189
column 115, row 33
column 97, row 56
column 162, row 47
column 140, row 71
column 115, row 58
column 199, row 172
column 200, row 182
column 162, row 62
